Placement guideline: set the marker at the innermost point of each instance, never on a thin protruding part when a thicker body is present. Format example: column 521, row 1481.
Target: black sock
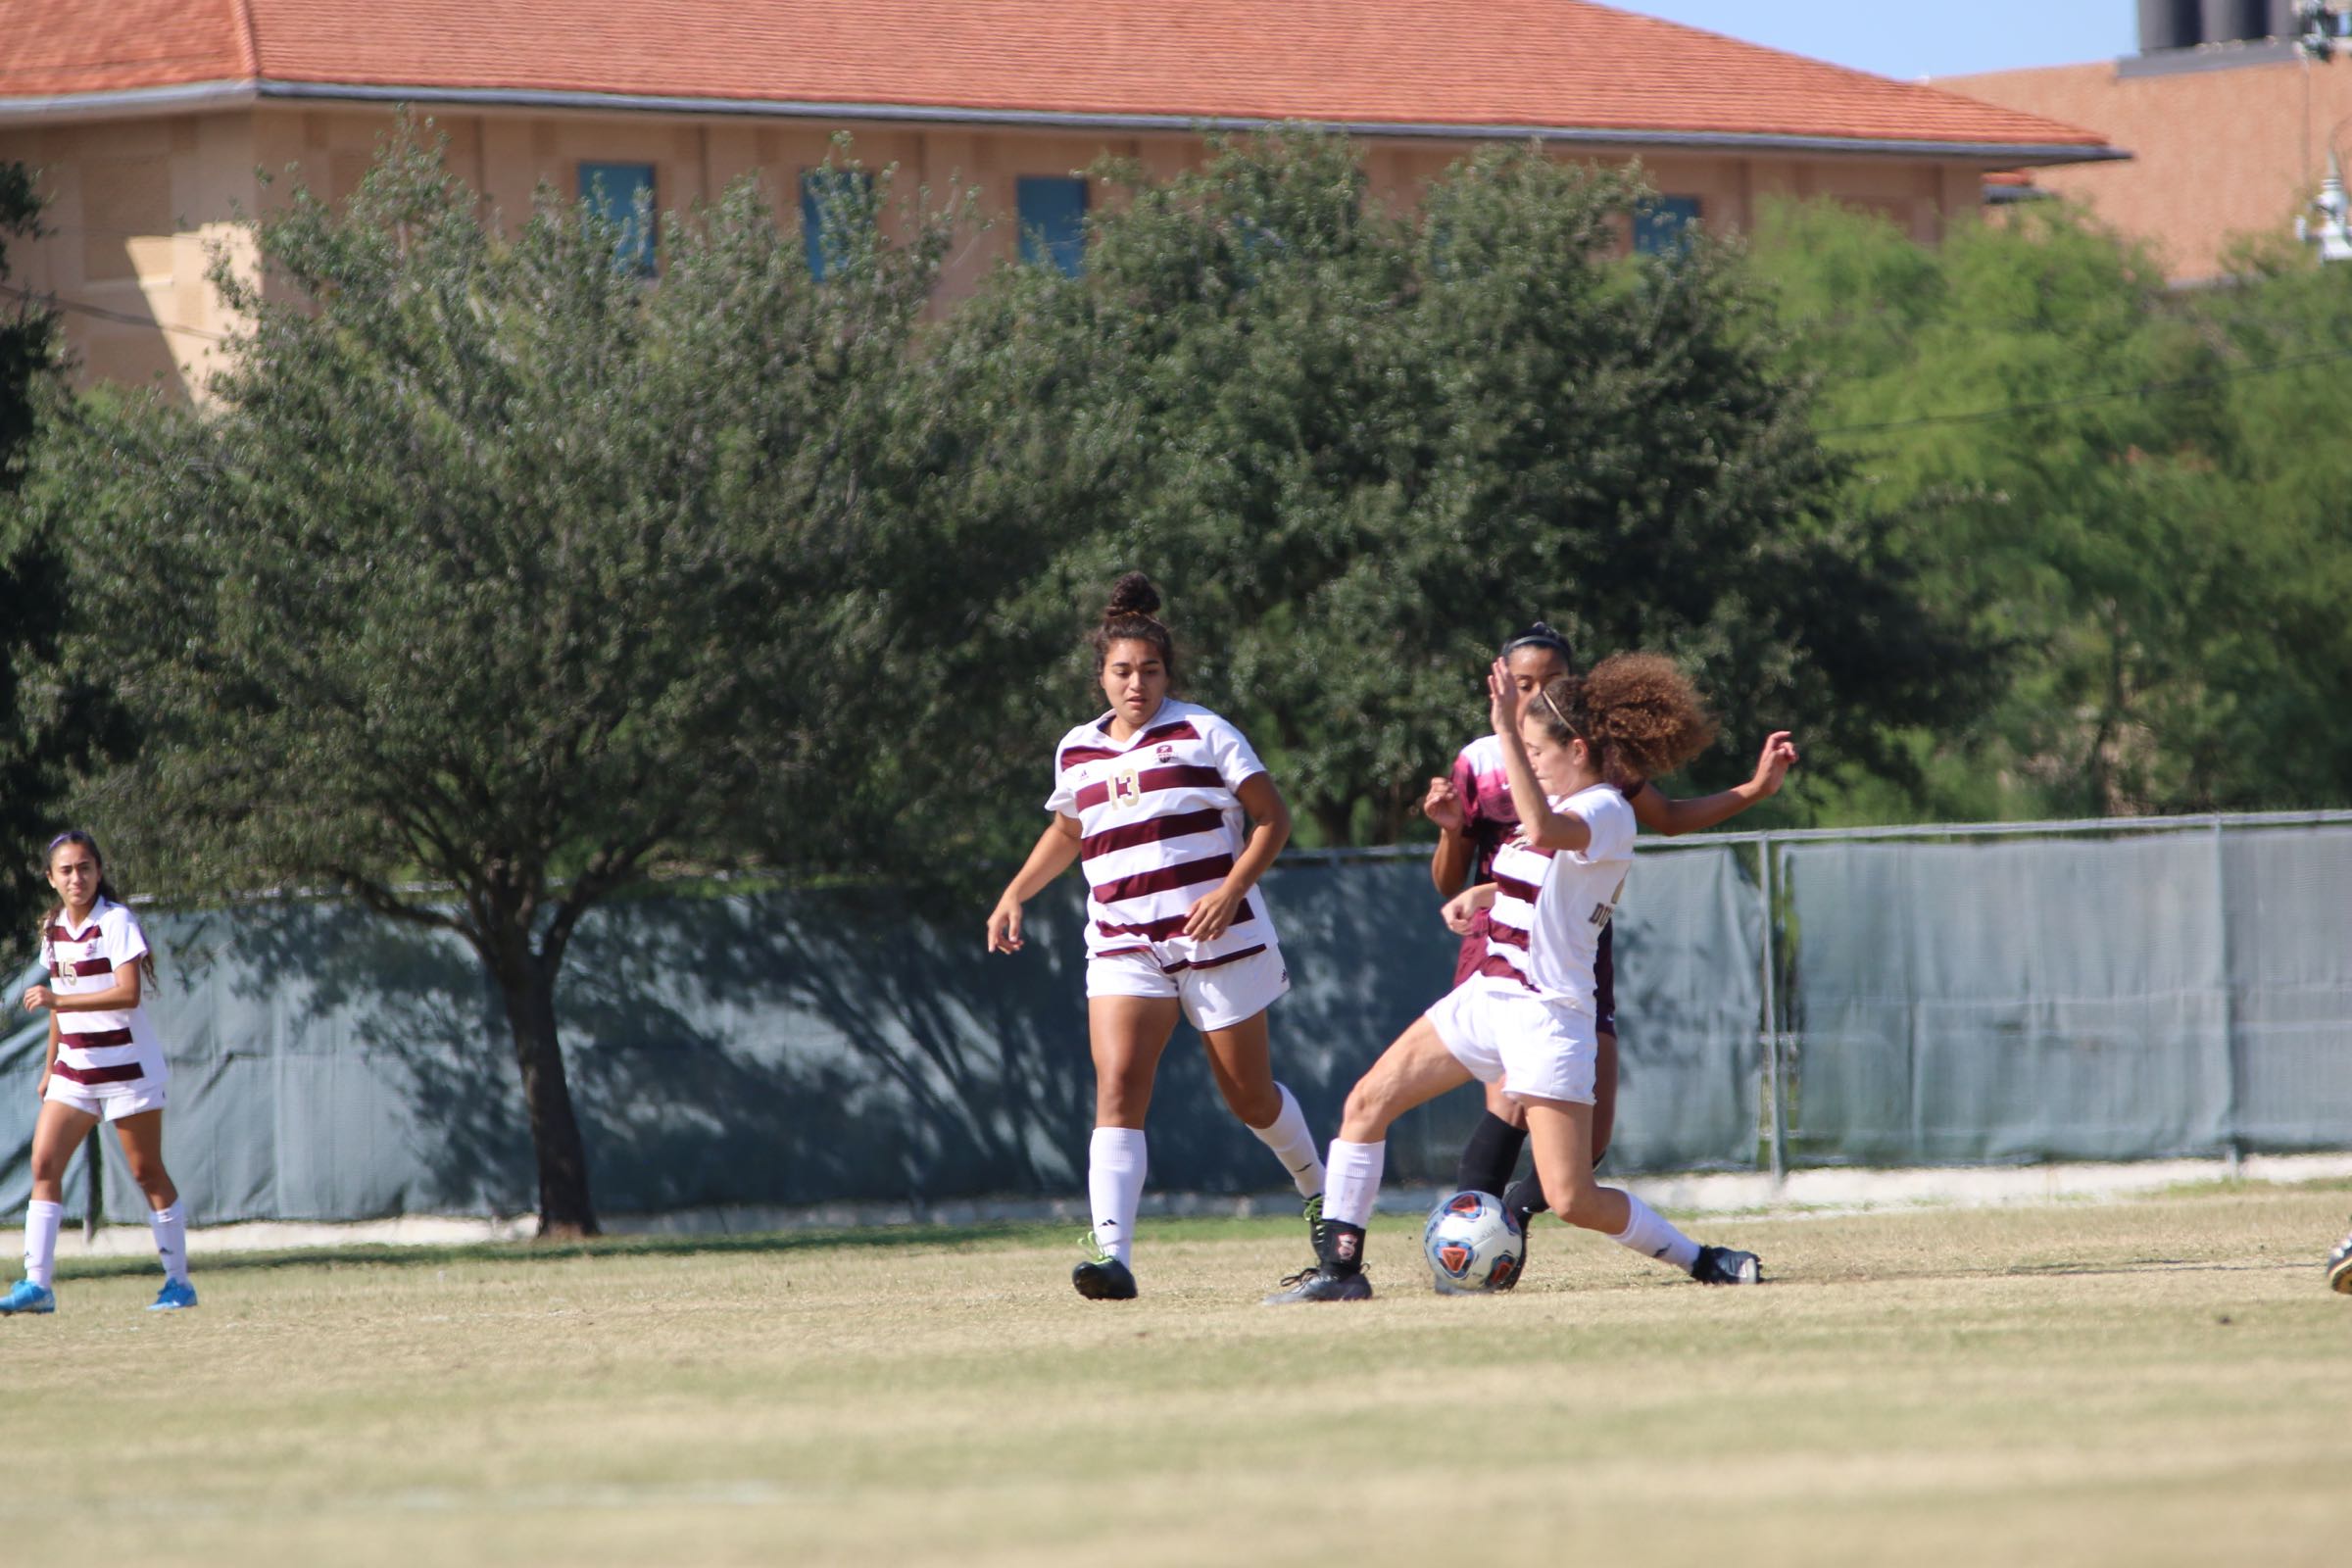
column 1489, row 1156
column 1343, row 1247
column 1525, row 1197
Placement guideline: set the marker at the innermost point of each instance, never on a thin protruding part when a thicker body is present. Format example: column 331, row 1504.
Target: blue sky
column 1910, row 38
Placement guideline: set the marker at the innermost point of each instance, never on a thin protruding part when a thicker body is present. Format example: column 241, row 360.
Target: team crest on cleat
column 1473, row 1244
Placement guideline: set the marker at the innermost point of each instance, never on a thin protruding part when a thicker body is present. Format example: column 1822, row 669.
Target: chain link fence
column 2114, row 990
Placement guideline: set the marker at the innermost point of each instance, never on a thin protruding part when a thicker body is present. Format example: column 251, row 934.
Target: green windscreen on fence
column 2107, row 991
column 808, row 1048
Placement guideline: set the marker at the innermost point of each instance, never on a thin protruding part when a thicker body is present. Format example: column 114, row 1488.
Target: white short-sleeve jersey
column 105, row 1052
column 1160, row 825
column 1550, row 905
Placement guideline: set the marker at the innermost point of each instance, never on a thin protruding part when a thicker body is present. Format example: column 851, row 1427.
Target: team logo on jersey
column 1167, row 753
column 1126, row 788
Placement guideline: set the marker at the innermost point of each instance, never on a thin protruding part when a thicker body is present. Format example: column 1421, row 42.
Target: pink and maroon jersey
column 105, row 1052
column 1160, row 825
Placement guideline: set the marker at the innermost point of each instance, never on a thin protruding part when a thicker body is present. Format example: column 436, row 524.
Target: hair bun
column 1132, row 595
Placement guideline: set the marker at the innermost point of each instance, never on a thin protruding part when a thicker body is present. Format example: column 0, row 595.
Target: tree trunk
column 564, row 1209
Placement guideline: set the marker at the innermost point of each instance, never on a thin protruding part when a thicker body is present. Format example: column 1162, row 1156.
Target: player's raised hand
column 1004, row 927
column 1502, row 699
column 1773, row 763
column 1442, row 804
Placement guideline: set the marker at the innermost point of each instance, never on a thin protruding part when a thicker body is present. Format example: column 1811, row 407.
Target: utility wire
column 2151, row 389
column 103, row 314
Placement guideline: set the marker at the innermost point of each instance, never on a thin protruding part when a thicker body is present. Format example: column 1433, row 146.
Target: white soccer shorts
column 1536, row 1048
column 141, row 1097
column 1215, row 995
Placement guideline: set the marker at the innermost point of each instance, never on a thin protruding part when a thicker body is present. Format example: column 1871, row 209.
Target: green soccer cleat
column 1101, row 1277
column 1318, row 1232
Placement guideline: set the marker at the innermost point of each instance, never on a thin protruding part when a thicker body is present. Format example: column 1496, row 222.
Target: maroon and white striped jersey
column 1551, row 906
column 105, row 1052
column 1160, row 826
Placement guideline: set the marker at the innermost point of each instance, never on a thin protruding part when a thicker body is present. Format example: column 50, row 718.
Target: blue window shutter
column 615, row 190
column 1053, row 217
column 1658, row 226
column 816, row 185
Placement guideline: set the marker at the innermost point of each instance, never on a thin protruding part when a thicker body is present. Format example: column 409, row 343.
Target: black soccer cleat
column 1324, row 1282
column 2339, row 1269
column 1725, row 1265
column 1318, row 1229
column 1102, row 1277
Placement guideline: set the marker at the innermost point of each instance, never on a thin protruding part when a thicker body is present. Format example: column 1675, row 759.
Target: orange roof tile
column 1551, row 65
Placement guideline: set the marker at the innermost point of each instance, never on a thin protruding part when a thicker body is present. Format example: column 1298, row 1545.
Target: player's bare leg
column 1127, row 1035
column 1414, row 1071
column 56, row 1132
column 142, row 1139
column 1241, row 1062
column 1490, row 1154
column 1561, row 1131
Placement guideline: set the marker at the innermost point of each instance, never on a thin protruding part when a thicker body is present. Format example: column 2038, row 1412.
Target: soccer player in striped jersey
column 104, row 1062
column 1472, row 808
column 1174, row 820
column 1526, row 1024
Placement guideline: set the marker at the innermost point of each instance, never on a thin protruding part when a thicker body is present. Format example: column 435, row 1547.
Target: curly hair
column 1132, row 614
column 1639, row 713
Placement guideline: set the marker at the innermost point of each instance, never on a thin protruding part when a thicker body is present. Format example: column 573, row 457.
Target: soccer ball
column 1473, row 1244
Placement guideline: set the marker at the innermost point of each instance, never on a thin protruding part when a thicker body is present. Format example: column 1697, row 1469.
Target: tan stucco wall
column 133, row 204
column 2215, row 154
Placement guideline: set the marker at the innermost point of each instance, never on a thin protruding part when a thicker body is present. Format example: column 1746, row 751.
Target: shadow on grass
column 986, row 1235
column 387, row 1255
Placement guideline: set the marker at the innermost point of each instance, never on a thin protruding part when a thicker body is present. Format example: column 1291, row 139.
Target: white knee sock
column 1115, row 1185
column 1355, row 1182
column 1294, row 1144
column 41, row 1241
column 171, row 1226
column 1647, row 1232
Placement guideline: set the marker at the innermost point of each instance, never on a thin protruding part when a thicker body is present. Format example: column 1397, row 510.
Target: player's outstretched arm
column 1670, row 817
column 1056, row 851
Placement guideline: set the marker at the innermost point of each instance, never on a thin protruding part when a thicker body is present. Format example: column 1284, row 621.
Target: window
column 618, row 192
column 1659, row 225
column 830, row 196
column 1052, row 214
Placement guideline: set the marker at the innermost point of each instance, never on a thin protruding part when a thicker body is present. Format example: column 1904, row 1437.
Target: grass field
column 2162, row 1381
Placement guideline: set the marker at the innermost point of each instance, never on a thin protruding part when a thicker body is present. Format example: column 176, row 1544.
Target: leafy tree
column 2103, row 471
column 48, row 717
column 1362, row 444
column 494, row 578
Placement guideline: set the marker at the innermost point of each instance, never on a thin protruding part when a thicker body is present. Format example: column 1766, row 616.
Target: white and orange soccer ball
column 1473, row 1244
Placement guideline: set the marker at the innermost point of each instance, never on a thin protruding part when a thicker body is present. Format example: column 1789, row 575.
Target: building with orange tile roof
column 149, row 116
column 2229, row 133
